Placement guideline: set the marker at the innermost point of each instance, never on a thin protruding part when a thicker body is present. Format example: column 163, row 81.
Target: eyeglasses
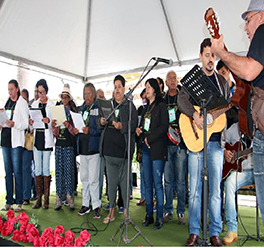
column 248, row 19
column 41, row 92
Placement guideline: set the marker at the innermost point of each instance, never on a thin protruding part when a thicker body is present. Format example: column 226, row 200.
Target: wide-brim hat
column 66, row 91
column 255, row 5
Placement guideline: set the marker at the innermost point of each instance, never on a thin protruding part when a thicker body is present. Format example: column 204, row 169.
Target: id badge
column 172, row 115
column 116, row 112
column 62, row 127
column 85, row 115
column 147, row 124
column 9, row 113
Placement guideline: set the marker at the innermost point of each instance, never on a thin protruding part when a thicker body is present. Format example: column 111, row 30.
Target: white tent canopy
column 90, row 39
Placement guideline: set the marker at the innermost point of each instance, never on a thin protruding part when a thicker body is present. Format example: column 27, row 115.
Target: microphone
column 166, row 61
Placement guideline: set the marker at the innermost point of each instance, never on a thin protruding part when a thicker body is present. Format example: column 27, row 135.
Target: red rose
column 69, row 237
column 58, row 230
column 7, row 228
column 85, row 235
column 23, row 237
column 79, row 242
column 36, row 242
column 3, row 230
column 16, row 236
column 1, row 224
column 10, row 214
column 32, row 232
column 23, row 218
column 58, row 240
column 47, row 231
column 47, row 237
column 42, row 241
column 19, row 236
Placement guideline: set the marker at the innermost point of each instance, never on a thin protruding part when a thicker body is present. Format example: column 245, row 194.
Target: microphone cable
column 91, row 228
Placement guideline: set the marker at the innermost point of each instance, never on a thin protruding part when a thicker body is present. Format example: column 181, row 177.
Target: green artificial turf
column 171, row 234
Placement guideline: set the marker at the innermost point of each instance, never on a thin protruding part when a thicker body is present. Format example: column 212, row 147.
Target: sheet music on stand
column 106, row 108
column 199, row 87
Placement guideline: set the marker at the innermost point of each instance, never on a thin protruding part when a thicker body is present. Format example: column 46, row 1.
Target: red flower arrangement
column 24, row 231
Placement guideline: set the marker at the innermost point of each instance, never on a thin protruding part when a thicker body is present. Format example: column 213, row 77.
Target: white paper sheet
column 58, row 113
column 78, row 121
column 36, row 116
column 3, row 118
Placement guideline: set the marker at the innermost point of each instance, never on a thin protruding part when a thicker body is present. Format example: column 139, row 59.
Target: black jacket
column 159, row 124
column 124, row 118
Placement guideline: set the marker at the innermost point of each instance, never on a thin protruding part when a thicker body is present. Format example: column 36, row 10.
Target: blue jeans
column 258, row 158
column 26, row 171
column 142, row 184
column 215, row 158
column 153, row 172
column 234, row 182
column 42, row 162
column 13, row 164
column 176, row 167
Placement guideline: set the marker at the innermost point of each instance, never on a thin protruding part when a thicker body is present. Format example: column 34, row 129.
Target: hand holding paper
column 3, row 117
column 58, row 113
column 36, row 117
column 78, row 121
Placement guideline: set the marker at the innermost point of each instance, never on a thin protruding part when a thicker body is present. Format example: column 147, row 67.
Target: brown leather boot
column 47, row 180
column 38, row 203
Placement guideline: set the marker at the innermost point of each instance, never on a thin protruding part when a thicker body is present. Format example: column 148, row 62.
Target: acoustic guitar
column 241, row 96
column 193, row 136
column 235, row 163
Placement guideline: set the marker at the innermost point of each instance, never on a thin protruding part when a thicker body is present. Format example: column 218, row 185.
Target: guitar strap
column 221, row 90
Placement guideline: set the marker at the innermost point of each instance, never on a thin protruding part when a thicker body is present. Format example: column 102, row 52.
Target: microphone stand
column 123, row 228
column 204, row 241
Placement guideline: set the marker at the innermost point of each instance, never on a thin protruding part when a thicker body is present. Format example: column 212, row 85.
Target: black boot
column 158, row 224
column 148, row 220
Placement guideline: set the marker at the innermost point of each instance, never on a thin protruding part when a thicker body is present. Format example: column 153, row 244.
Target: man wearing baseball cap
column 250, row 68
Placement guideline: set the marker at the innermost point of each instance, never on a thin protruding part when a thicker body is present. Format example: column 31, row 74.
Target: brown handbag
column 257, row 108
column 29, row 139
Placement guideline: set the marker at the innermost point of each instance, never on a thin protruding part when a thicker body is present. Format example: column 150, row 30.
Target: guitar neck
column 241, row 154
column 218, row 112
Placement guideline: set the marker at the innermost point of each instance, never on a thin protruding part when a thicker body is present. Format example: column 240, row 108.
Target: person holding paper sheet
column 12, row 142
column 43, row 145
column 88, row 144
column 64, row 153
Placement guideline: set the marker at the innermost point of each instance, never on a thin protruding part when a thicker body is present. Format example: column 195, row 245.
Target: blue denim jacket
column 93, row 137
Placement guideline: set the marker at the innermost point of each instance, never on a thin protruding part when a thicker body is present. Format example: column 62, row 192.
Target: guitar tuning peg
column 212, row 32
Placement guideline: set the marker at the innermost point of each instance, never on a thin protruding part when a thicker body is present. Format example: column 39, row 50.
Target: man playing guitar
column 215, row 157
column 234, row 182
column 251, row 68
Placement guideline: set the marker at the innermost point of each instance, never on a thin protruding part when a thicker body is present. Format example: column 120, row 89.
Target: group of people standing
column 103, row 141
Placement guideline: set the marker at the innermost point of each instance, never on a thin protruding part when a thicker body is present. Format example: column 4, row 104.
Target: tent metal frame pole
column 1, row 3
column 170, row 32
column 89, row 11
column 37, row 64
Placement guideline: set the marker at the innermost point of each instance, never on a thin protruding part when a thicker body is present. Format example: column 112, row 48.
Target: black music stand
column 205, row 94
